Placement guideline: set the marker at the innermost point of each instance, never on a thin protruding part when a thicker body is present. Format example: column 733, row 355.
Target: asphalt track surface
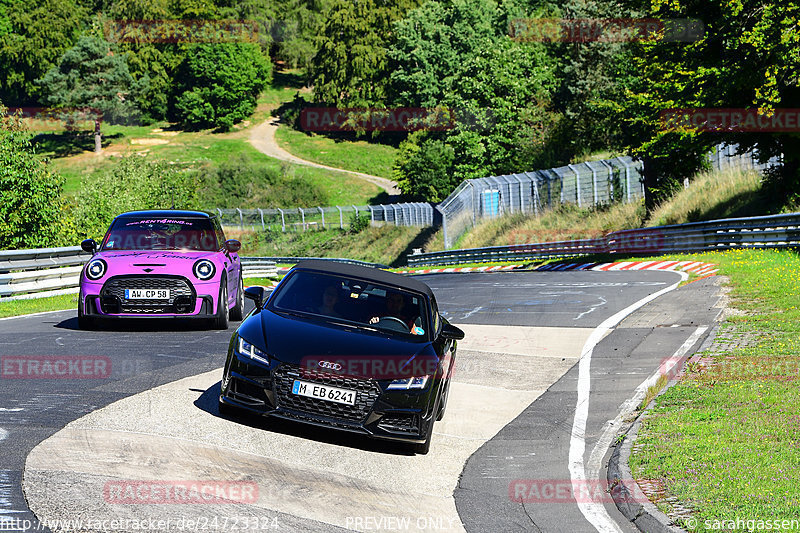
column 508, row 435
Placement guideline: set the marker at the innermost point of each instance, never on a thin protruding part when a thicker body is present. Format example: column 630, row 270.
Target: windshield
column 143, row 233
column 367, row 304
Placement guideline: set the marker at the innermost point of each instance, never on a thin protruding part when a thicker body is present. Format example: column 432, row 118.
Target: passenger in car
column 330, row 297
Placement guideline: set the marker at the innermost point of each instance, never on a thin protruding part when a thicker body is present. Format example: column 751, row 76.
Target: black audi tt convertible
column 347, row 347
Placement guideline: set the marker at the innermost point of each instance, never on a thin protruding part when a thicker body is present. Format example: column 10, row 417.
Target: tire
column 221, row 320
column 424, row 447
column 85, row 322
column 228, row 410
column 237, row 313
column 445, row 397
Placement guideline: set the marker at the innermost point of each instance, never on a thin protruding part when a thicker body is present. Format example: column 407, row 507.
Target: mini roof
column 367, row 273
column 165, row 213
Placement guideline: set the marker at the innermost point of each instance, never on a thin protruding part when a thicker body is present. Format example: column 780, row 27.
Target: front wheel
column 85, row 322
column 237, row 313
column 424, row 447
column 221, row 320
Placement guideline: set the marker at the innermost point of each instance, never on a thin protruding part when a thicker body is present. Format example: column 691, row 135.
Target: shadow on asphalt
column 149, row 324
column 209, row 402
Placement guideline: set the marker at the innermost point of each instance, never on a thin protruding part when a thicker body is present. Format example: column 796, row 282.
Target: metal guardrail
column 775, row 231
column 37, row 273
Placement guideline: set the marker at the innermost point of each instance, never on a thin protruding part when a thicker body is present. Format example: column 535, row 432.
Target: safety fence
column 52, row 271
column 775, row 231
column 302, row 219
column 584, row 184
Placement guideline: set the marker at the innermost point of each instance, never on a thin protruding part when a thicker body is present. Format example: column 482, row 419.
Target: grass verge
column 37, row 305
column 725, row 440
column 371, row 158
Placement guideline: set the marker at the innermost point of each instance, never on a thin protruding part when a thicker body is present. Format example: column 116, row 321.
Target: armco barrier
column 775, row 231
column 52, row 271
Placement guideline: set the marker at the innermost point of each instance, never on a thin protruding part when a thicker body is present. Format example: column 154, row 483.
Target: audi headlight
column 245, row 348
column 409, row 383
column 96, row 269
column 204, row 269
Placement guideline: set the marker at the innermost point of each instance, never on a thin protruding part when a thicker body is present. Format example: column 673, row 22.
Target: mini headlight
column 96, row 269
column 409, row 383
column 204, row 269
column 245, row 348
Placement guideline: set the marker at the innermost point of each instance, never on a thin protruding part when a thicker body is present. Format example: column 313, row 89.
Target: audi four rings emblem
column 329, row 365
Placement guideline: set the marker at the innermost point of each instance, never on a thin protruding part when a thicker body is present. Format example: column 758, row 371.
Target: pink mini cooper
column 174, row 264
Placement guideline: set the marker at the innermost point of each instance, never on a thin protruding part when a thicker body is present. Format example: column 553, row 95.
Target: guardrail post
column 341, row 222
column 322, row 213
column 283, row 220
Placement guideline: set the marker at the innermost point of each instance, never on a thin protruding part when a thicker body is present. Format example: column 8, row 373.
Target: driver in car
column 396, row 308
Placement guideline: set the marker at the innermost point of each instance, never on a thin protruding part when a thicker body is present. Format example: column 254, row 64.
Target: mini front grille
column 400, row 423
column 179, row 287
column 367, row 392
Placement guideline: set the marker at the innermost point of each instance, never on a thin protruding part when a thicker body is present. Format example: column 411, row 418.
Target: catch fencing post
column 260, row 212
column 594, row 183
column 627, row 179
column 283, row 220
column 610, row 180
column 322, row 213
column 302, row 217
column 371, row 215
column 577, row 184
column 341, row 222
column 444, row 227
column 241, row 219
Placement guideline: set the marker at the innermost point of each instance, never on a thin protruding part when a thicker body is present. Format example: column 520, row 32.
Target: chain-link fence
column 309, row 218
column 584, row 184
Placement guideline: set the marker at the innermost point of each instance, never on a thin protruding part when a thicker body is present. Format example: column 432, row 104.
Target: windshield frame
column 120, row 222
column 288, row 283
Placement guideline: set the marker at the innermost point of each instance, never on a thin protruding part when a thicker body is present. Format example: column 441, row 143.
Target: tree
column 33, row 35
column 747, row 58
column 30, row 193
column 90, row 76
column 218, row 84
column 350, row 66
column 423, row 169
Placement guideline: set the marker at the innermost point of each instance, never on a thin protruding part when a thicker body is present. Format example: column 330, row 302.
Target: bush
column 219, row 84
column 30, row 193
column 134, row 183
column 423, row 168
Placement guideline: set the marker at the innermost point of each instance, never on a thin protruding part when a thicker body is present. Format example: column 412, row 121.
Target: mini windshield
column 143, row 233
column 340, row 299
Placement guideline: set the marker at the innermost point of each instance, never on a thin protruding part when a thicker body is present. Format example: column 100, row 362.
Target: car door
column 231, row 262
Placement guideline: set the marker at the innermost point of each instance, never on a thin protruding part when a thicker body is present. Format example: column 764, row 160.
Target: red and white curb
column 695, row 267
column 464, row 269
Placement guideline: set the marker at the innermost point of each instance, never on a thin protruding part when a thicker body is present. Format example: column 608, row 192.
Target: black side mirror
column 449, row 331
column 256, row 293
column 233, row 246
column 89, row 246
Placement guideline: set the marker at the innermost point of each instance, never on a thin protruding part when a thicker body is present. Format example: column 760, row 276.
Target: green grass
column 726, row 439
column 371, row 158
column 37, row 305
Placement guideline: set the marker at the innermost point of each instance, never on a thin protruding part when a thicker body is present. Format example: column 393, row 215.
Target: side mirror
column 256, row 293
column 449, row 331
column 233, row 246
column 89, row 246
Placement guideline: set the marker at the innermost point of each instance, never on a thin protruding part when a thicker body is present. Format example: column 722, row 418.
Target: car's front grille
column 367, row 391
column 402, row 423
column 178, row 286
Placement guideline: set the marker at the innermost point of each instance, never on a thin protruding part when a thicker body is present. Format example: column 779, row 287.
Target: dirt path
column 262, row 137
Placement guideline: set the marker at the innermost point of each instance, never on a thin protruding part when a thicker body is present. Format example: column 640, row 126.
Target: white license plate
column 324, row 392
column 147, row 294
